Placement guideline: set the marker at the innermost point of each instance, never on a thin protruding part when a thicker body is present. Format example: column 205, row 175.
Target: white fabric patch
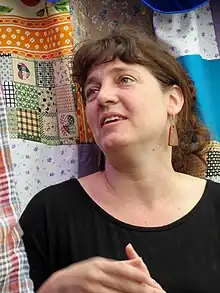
column 188, row 33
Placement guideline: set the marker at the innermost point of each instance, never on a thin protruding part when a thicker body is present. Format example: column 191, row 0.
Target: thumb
column 138, row 262
column 132, row 254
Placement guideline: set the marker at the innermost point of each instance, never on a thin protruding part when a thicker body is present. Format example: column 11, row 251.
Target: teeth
column 113, row 118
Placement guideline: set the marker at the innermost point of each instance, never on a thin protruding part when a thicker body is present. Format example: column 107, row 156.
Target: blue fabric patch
column 174, row 6
column 206, row 75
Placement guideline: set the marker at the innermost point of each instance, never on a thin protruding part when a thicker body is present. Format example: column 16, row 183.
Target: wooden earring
column 173, row 139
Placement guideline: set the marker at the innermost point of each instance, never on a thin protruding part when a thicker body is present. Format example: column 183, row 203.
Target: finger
column 139, row 263
column 53, row 284
column 48, row 287
column 153, row 290
column 123, row 285
column 140, row 288
column 99, row 287
column 131, row 253
column 125, row 270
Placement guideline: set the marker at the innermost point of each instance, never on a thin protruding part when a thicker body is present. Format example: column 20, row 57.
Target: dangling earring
column 173, row 139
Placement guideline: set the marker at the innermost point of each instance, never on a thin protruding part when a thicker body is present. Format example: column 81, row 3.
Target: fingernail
column 141, row 258
column 154, row 282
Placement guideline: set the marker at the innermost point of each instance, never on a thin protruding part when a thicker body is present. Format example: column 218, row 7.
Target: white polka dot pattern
column 213, row 162
column 188, row 33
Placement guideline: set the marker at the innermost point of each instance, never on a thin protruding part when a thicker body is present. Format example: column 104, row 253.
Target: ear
column 175, row 100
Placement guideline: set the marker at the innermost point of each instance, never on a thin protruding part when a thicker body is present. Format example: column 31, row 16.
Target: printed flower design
column 30, row 2
column 61, row 6
column 5, row 9
column 67, row 125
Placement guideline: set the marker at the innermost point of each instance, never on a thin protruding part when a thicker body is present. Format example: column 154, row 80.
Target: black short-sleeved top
column 62, row 225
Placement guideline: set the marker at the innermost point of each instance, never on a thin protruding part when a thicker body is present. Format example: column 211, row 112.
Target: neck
column 143, row 178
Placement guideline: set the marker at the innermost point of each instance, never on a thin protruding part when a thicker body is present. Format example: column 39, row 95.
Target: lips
column 111, row 117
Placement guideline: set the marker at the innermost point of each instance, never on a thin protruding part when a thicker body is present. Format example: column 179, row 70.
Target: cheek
column 153, row 98
column 152, row 108
column 91, row 116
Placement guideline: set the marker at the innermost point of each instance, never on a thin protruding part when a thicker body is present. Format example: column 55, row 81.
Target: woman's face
column 126, row 106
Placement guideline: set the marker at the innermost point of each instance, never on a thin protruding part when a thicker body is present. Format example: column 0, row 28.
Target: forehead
column 117, row 66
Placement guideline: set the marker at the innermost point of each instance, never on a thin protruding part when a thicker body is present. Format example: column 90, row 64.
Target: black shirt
column 63, row 225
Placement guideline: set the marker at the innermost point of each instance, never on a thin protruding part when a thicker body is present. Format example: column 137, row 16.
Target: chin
column 114, row 143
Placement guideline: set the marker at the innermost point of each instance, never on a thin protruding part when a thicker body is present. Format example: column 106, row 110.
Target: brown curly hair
column 133, row 47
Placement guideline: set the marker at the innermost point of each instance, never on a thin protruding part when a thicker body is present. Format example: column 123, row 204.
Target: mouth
column 112, row 119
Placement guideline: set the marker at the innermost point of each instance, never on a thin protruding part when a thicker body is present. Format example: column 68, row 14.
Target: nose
column 107, row 95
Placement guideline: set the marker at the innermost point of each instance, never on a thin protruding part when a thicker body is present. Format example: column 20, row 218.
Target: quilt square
column 28, row 124
column 6, row 71
column 44, row 73
column 26, row 96
column 47, row 100
column 63, row 71
column 9, row 94
column 49, row 128
column 68, row 126
column 65, row 99
column 69, row 141
column 24, row 71
column 12, row 122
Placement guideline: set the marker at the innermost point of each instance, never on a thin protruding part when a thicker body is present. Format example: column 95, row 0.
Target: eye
column 126, row 79
column 91, row 93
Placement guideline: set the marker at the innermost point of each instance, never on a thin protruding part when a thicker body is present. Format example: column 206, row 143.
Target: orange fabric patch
column 85, row 134
column 36, row 38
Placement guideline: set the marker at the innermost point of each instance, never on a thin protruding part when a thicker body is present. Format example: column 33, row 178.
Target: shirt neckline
column 169, row 226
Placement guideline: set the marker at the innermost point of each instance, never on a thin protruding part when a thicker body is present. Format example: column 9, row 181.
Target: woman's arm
column 33, row 224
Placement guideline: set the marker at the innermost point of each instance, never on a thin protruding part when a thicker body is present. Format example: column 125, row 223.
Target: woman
column 140, row 106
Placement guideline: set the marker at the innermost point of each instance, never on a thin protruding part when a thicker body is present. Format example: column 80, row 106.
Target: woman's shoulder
column 211, row 198
column 61, row 190
column 71, row 193
column 56, row 197
column 213, row 189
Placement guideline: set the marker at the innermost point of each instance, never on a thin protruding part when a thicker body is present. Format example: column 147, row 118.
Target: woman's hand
column 132, row 254
column 100, row 275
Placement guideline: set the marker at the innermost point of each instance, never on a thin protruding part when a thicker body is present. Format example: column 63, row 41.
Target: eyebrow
column 93, row 79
